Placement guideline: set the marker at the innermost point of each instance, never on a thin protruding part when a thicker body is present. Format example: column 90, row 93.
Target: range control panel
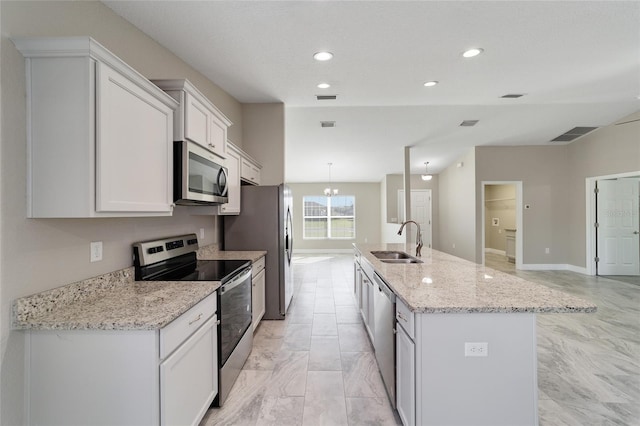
column 148, row 252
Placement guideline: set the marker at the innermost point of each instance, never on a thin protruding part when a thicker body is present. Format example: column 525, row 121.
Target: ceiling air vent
column 327, row 124
column 573, row 134
column 326, row 97
column 512, row 96
column 469, row 123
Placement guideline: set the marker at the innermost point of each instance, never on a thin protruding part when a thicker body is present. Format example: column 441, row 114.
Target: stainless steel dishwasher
column 384, row 332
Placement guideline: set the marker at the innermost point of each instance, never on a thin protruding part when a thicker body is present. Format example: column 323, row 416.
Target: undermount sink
column 395, row 257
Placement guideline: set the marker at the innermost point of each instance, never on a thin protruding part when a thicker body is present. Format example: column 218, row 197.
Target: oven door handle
column 236, row 281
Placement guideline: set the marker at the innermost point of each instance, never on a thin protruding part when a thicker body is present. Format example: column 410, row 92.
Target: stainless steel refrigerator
column 265, row 223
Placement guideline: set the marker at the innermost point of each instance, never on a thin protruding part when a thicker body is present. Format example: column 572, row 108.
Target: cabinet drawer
column 257, row 266
column 405, row 317
column 186, row 324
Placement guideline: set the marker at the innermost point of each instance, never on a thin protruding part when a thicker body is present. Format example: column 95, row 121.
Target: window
column 329, row 217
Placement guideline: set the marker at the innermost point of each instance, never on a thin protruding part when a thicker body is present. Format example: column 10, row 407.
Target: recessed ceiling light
column 430, row 83
column 322, row 56
column 324, row 86
column 472, row 52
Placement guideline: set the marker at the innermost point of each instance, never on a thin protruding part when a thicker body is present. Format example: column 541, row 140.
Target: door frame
column 519, row 221
column 590, row 208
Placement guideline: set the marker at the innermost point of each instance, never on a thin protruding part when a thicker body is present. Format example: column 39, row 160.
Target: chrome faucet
column 418, row 235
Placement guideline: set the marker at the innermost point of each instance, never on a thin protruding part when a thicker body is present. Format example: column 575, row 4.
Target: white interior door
column 618, row 231
column 420, row 212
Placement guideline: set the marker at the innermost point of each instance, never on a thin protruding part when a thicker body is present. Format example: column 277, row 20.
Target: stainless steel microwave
column 198, row 178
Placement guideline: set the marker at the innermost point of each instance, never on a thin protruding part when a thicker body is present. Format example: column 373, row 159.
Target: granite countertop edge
column 454, row 281
column 115, row 301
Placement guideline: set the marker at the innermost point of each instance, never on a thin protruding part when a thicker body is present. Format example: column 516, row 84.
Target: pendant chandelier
column 426, row 175
column 329, row 191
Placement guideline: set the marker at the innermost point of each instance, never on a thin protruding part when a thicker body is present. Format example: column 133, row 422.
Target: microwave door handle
column 223, row 172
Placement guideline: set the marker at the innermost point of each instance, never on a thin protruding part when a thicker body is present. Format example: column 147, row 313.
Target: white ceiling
column 577, row 62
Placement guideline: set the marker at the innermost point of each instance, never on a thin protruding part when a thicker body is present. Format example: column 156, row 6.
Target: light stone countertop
column 212, row 253
column 115, row 301
column 449, row 284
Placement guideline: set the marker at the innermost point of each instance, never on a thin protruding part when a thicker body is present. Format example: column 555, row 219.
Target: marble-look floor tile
column 242, row 407
column 348, row 315
column 271, row 329
column 297, row 337
column 324, row 306
column 328, row 411
column 361, row 375
column 324, row 402
column 300, row 316
column 281, row 411
column 324, row 354
column 371, row 412
column 289, row 376
column 353, row 338
column 324, row 325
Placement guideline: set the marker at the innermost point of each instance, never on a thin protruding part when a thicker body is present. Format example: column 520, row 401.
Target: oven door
column 198, row 178
column 235, row 312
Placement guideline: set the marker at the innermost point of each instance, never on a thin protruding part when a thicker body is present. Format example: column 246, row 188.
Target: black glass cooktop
column 200, row 270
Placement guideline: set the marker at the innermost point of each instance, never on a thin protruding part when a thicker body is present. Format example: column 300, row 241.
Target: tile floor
column 317, row 367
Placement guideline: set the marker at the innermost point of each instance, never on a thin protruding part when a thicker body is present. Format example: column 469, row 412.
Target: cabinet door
column 217, row 136
column 134, row 133
column 258, row 298
column 405, row 377
column 189, row 378
column 197, row 119
column 233, row 180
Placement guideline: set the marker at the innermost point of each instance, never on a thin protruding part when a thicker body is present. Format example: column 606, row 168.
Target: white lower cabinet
column 188, row 378
column 125, row 377
column 258, row 301
column 405, row 377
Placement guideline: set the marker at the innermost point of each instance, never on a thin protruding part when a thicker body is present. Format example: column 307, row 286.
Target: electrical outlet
column 96, row 251
column 454, row 245
column 476, row 349
column 546, row 250
column 202, row 233
column 366, row 240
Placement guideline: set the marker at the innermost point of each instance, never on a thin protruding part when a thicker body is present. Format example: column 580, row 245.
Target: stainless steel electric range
column 174, row 259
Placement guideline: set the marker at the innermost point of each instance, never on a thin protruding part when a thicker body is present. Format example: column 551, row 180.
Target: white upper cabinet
column 197, row 119
column 251, row 171
column 99, row 133
column 232, row 163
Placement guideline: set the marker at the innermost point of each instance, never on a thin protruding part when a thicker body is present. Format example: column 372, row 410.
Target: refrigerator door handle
column 289, row 236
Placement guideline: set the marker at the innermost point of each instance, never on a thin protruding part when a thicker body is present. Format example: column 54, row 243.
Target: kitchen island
column 466, row 336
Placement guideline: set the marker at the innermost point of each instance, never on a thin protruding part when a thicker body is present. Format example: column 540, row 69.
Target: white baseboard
column 321, row 251
column 495, row 251
column 553, row 267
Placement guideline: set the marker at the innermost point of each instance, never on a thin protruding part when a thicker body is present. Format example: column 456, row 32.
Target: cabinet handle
column 401, row 316
column 196, row 319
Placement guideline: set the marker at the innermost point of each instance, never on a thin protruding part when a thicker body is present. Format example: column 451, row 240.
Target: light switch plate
column 96, row 251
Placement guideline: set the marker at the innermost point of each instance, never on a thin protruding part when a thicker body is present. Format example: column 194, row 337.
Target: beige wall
column 367, row 214
column 554, row 185
column 40, row 254
column 263, row 132
column 543, row 171
column 457, row 202
column 611, row 150
column 500, row 203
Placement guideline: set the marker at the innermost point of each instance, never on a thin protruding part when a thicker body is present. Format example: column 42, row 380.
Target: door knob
column 636, row 232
